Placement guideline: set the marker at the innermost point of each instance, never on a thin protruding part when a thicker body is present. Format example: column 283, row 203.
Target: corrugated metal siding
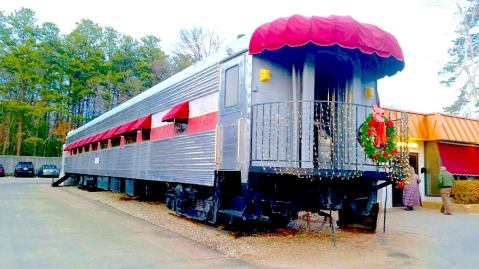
column 442, row 127
column 416, row 126
column 202, row 83
column 185, row 159
column 459, row 129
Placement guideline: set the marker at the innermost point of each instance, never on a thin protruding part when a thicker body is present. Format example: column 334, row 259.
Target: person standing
column 411, row 196
column 444, row 184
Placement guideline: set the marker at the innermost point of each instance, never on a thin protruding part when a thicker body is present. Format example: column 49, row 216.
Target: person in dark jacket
column 444, row 184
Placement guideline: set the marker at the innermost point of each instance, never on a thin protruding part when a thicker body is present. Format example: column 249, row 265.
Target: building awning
column 101, row 136
column 84, row 142
column 344, row 31
column 80, row 143
column 141, row 123
column 440, row 127
column 109, row 133
column 90, row 140
column 70, row 146
column 460, row 159
column 454, row 128
column 178, row 112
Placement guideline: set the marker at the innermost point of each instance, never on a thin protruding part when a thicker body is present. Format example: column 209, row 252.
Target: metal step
column 60, row 180
column 231, row 212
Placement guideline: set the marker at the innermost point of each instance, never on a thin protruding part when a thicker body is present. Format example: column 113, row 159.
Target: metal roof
column 441, row 127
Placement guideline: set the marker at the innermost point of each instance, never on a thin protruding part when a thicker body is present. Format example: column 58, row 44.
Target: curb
column 459, row 208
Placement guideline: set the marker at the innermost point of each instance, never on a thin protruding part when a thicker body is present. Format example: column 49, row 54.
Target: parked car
column 2, row 171
column 24, row 169
column 48, row 170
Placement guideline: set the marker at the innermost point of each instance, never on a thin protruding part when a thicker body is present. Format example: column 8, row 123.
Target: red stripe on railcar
column 163, row 132
column 203, row 123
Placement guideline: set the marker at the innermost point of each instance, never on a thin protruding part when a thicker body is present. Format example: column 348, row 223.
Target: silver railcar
column 259, row 131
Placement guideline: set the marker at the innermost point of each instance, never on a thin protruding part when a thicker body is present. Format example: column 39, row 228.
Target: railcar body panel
column 185, row 159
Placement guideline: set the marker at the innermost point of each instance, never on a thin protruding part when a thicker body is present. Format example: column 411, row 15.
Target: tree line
column 52, row 83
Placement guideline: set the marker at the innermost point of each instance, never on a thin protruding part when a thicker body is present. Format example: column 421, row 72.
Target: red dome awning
column 344, row 31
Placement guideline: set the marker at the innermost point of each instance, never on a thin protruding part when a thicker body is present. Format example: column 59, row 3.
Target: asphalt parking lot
column 44, row 227
column 49, row 228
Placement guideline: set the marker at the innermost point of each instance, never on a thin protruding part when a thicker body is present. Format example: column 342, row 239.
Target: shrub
column 465, row 191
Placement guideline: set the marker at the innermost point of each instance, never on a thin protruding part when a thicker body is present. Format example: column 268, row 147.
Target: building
column 437, row 139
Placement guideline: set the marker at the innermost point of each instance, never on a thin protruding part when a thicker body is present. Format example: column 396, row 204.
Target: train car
column 260, row 131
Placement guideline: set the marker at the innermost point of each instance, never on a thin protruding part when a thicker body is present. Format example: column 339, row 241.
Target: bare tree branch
column 196, row 44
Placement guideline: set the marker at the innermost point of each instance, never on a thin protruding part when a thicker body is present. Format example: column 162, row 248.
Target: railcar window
column 181, row 126
column 115, row 142
column 130, row 138
column 231, row 86
column 146, row 134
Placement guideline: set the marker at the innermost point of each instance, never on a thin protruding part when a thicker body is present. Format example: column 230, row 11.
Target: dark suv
column 24, row 169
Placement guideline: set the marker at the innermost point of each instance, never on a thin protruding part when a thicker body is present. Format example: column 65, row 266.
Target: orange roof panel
column 439, row 126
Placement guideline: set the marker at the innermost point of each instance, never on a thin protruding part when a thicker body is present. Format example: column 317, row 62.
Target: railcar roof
column 238, row 46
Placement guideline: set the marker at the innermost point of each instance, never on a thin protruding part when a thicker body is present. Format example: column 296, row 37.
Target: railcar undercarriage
column 267, row 198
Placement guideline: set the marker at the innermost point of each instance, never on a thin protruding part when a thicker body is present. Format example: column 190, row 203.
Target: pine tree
column 50, row 83
column 462, row 69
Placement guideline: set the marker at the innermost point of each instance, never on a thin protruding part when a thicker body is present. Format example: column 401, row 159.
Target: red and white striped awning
column 141, row 123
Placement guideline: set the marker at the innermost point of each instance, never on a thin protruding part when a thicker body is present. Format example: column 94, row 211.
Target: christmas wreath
column 378, row 136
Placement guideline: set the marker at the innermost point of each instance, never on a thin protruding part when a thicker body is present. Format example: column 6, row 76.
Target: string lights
column 319, row 139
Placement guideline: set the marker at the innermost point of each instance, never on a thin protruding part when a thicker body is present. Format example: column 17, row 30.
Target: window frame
column 237, row 90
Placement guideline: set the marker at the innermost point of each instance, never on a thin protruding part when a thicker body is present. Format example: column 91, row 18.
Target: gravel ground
column 274, row 250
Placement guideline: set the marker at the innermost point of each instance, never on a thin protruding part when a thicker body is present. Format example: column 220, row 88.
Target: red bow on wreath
column 379, row 125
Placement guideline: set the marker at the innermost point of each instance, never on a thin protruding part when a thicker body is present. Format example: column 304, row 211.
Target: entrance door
column 333, row 75
column 397, row 193
column 232, row 108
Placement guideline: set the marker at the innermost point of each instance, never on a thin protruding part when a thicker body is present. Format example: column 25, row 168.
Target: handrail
column 325, row 137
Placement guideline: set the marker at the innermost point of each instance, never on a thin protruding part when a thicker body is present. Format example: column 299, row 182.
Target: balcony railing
column 315, row 136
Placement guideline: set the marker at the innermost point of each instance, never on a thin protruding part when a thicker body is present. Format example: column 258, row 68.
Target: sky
column 424, row 31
